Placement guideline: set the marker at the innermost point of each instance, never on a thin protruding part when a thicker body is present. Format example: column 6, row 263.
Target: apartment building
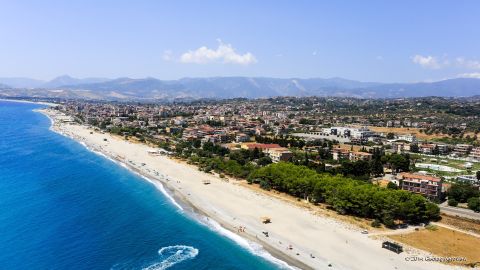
column 428, row 186
column 475, row 154
column 462, row 149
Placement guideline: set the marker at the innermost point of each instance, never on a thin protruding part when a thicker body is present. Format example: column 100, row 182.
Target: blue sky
column 386, row 41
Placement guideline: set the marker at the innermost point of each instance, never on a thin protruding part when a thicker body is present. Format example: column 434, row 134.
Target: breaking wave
column 172, row 255
column 251, row 246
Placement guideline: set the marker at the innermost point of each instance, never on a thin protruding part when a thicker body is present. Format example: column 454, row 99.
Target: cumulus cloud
column 433, row 62
column 224, row 53
column 428, row 61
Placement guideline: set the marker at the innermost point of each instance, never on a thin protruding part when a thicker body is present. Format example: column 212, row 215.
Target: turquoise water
column 64, row 207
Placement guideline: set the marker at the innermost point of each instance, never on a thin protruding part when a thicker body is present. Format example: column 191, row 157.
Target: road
column 455, row 211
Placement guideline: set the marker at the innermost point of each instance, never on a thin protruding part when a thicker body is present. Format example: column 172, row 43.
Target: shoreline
column 200, row 207
column 28, row 101
column 181, row 202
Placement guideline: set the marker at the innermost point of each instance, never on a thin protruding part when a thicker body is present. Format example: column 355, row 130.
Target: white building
column 357, row 133
column 407, row 137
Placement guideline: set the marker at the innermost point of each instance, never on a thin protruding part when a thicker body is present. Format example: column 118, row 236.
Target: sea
column 63, row 206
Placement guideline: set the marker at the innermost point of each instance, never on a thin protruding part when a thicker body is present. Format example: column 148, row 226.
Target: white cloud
column 467, row 63
column 225, row 53
column 167, row 55
column 434, row 62
column 428, row 61
column 475, row 75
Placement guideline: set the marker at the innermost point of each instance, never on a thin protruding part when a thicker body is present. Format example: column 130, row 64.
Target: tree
column 474, row 203
column 264, row 161
column 197, row 143
column 346, row 195
column 399, row 162
column 359, row 168
column 478, row 175
column 255, row 154
column 432, row 211
column 414, row 148
column 390, row 136
column 376, row 167
column 392, row 185
column 462, row 191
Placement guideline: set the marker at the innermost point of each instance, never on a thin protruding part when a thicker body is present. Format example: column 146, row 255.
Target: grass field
column 415, row 131
column 443, row 242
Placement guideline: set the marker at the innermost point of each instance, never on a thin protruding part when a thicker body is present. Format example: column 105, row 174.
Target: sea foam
column 172, row 255
column 251, row 246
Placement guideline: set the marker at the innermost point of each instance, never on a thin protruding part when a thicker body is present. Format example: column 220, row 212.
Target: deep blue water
column 64, row 207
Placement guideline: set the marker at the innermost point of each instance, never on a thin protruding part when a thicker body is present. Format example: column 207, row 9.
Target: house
column 340, row 154
column 428, row 186
column 279, row 154
column 242, row 137
column 400, row 147
column 426, row 148
column 273, row 150
column 407, row 137
column 260, row 146
column 356, row 156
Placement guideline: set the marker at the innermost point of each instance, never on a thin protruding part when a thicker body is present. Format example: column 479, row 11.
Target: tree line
column 346, row 195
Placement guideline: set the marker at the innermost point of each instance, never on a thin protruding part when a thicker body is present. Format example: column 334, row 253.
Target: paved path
column 455, row 229
column 462, row 212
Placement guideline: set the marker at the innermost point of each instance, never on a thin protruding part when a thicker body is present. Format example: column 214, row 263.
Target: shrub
column 474, row 203
column 265, row 185
column 376, row 223
column 452, row 202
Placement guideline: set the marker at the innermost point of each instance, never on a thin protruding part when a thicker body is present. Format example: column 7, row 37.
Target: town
column 427, row 146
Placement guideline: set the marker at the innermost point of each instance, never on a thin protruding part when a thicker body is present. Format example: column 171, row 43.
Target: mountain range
column 152, row 89
column 21, row 82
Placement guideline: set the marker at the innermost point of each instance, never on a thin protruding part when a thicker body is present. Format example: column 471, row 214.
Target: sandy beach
column 316, row 242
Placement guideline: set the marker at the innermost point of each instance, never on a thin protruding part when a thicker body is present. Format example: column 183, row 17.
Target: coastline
column 222, row 206
column 28, row 101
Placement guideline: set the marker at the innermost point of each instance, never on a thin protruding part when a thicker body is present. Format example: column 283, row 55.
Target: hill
column 246, row 87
